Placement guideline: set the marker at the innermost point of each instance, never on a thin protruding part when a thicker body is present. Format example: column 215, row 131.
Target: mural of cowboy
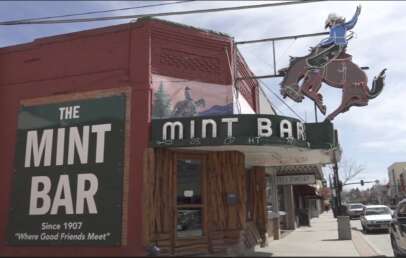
column 187, row 107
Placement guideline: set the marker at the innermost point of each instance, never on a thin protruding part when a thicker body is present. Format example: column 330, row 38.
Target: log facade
column 225, row 225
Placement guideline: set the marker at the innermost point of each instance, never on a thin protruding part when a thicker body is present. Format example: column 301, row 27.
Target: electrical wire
column 24, row 22
column 268, row 100
column 104, row 11
column 286, row 50
column 264, row 93
column 282, row 111
column 281, row 100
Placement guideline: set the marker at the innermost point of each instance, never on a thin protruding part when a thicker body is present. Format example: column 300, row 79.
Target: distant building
column 397, row 181
column 378, row 194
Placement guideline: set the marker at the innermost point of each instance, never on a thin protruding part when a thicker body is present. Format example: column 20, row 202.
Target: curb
column 363, row 247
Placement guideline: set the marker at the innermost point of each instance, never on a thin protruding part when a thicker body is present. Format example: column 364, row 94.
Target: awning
column 273, row 155
column 301, row 170
column 306, row 191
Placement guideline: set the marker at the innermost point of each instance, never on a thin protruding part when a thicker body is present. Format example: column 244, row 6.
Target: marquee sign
column 68, row 178
column 240, row 130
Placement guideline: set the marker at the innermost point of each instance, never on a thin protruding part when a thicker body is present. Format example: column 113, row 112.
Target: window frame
column 203, row 206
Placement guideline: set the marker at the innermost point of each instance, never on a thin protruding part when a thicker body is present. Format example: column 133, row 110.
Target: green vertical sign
column 68, row 179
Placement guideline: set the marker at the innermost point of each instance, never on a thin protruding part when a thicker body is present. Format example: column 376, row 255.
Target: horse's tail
column 377, row 85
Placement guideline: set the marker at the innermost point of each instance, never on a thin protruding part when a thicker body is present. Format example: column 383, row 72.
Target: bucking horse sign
column 329, row 63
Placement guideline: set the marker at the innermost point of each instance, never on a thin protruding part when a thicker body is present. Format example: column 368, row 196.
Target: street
column 379, row 240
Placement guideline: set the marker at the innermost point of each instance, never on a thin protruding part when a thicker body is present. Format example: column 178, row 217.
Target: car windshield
column 377, row 211
column 356, row 206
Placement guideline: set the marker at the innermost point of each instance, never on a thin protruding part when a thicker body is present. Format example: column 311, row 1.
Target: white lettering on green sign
column 172, row 130
column 41, row 187
column 37, row 150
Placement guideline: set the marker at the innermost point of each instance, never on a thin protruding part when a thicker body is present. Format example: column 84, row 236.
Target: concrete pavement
column 379, row 240
column 321, row 239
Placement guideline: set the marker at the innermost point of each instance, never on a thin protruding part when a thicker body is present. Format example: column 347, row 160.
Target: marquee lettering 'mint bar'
column 240, row 130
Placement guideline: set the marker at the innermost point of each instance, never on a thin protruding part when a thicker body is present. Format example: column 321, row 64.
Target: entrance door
column 190, row 214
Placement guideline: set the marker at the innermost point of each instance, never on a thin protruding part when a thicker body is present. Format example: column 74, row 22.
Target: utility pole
column 337, row 185
column 343, row 221
column 333, row 195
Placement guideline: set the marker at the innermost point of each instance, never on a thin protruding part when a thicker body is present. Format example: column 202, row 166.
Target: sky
column 372, row 137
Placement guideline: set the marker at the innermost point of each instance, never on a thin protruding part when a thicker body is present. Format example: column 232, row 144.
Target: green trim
column 244, row 132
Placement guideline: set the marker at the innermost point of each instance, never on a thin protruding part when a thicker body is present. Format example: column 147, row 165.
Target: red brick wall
column 108, row 58
column 100, row 59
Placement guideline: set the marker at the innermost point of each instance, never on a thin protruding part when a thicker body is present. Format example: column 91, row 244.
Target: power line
column 281, row 111
column 273, row 76
column 261, row 87
column 295, row 37
column 262, row 90
column 23, row 22
column 281, row 100
column 286, row 50
column 267, row 99
column 104, row 11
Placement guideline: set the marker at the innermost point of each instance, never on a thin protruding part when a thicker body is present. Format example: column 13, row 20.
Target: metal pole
column 258, row 77
column 274, row 57
column 337, row 182
column 282, row 38
column 272, row 76
column 315, row 112
column 335, row 192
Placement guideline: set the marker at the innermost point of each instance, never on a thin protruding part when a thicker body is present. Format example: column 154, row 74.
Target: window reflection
column 189, row 222
column 188, row 182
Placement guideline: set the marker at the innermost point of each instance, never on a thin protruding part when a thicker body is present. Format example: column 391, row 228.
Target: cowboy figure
column 331, row 47
column 326, row 51
column 187, row 107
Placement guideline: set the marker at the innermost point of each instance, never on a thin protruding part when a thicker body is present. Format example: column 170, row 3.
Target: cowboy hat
column 332, row 17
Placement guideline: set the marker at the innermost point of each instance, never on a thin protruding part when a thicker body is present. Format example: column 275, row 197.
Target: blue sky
column 371, row 136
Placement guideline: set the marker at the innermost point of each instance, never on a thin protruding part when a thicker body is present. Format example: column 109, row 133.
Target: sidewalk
column 321, row 239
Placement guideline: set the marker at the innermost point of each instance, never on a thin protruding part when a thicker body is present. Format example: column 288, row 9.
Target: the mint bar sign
column 67, row 187
column 228, row 130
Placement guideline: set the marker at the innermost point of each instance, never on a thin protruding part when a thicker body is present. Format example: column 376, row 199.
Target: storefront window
column 189, row 181
column 268, row 193
column 189, row 218
column 189, row 222
column 281, row 198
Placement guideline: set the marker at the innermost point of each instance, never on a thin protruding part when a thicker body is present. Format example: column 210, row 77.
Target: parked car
column 397, row 229
column 354, row 210
column 376, row 217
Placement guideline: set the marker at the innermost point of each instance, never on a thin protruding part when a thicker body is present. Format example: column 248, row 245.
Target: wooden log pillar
column 289, row 201
column 271, row 171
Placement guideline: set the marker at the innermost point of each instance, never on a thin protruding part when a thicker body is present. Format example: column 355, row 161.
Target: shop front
column 294, row 202
column 125, row 139
column 207, row 178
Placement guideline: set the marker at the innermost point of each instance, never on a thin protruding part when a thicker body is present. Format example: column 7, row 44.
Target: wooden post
column 275, row 203
column 290, row 206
